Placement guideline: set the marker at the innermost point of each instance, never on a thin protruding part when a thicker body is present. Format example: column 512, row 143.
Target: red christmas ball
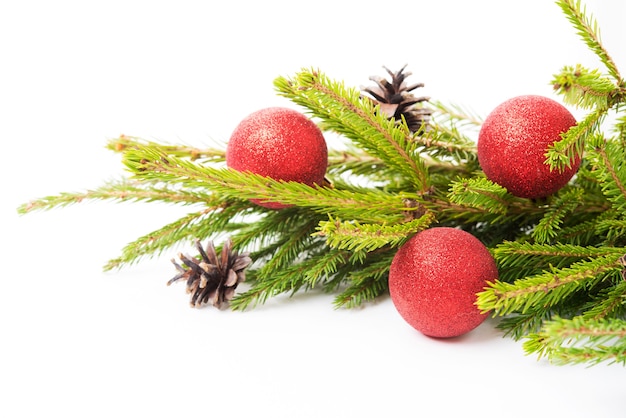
column 434, row 278
column 279, row 143
column 514, row 139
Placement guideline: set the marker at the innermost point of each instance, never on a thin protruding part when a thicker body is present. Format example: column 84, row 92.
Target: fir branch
column 611, row 172
column 546, row 289
column 609, row 303
column 584, row 88
column 364, row 276
column 519, row 325
column 612, row 229
column 588, row 30
column 189, row 227
column 581, row 232
column 289, row 279
column 455, row 114
column 354, row 161
column 263, row 229
column 342, row 110
column 355, row 236
column 448, row 143
column 524, row 259
column 452, row 124
column 211, row 221
column 510, row 253
column 291, row 254
column 296, row 241
column 580, row 340
column 123, row 142
column 121, row 191
column 354, row 166
column 324, row 266
column 480, row 193
column 563, row 205
column 562, row 153
column 366, row 283
column 369, row 205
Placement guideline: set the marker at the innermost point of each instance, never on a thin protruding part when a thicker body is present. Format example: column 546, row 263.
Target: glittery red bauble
column 514, row 139
column 434, row 278
column 280, row 143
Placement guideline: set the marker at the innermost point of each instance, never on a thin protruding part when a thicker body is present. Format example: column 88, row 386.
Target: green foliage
column 571, row 147
column 343, row 110
column 480, row 193
column 580, row 340
column 561, row 259
column 589, row 31
column 563, row 205
column 584, row 88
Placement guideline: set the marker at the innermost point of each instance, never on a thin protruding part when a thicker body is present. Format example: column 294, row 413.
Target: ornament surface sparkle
column 434, row 278
column 513, row 142
column 279, row 143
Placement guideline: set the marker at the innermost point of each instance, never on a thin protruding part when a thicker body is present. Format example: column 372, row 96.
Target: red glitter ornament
column 434, row 278
column 279, row 143
column 513, row 142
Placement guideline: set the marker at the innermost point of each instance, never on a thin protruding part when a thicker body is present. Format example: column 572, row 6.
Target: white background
column 77, row 342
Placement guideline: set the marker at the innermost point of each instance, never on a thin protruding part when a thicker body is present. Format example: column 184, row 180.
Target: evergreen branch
column 189, row 227
column 267, row 229
column 611, row 172
column 358, row 167
column 580, row 340
column 218, row 217
column 579, row 233
column 588, row 30
column 122, row 191
column 355, row 236
column 123, row 142
column 564, row 204
column 546, row 289
column 584, row 88
column 370, row 205
column 480, row 193
column 455, row 114
column 450, row 125
column 344, row 111
column 519, row 325
column 365, row 278
column 290, row 278
column 609, row 302
column 511, row 253
column 562, row 154
column 295, row 241
column 353, row 160
column 366, row 283
column 324, row 266
column 522, row 259
column 441, row 142
column 612, row 229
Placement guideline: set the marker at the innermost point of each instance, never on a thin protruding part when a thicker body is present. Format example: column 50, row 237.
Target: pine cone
column 396, row 100
column 212, row 279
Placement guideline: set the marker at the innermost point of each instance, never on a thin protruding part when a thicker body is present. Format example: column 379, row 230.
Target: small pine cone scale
column 396, row 100
column 212, row 279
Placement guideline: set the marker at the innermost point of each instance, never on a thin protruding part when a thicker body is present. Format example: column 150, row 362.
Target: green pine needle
column 548, row 288
column 356, row 236
column 588, row 30
column 580, row 340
